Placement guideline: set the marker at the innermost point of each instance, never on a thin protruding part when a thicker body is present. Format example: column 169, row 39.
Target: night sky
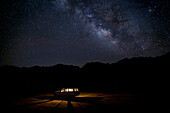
column 49, row 32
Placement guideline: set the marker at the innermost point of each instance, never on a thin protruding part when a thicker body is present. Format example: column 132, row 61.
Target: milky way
column 49, row 32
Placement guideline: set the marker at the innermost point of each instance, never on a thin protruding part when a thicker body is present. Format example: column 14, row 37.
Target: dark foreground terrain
column 130, row 85
column 85, row 103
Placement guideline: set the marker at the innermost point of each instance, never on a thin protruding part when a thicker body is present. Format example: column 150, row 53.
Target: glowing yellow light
column 76, row 89
column 69, row 90
column 62, row 90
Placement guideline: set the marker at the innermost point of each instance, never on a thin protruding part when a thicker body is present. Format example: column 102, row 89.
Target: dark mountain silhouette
column 128, row 75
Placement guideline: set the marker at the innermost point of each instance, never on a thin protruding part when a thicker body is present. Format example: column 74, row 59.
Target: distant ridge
column 164, row 59
column 148, row 60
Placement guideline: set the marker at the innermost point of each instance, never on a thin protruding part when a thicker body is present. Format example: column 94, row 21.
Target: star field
column 49, row 32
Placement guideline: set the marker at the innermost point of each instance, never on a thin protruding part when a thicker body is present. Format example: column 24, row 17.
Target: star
column 49, row 32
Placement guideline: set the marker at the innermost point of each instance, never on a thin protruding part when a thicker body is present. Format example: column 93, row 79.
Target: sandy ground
column 84, row 103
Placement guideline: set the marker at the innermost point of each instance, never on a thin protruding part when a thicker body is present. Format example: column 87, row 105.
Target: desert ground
column 84, row 103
